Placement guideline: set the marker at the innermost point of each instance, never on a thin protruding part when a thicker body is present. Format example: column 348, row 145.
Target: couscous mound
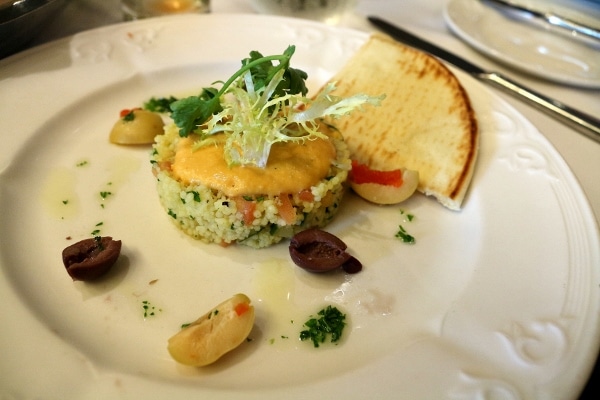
column 260, row 215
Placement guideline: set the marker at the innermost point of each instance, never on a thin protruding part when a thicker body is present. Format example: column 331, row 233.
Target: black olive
column 319, row 251
column 91, row 258
column 352, row 266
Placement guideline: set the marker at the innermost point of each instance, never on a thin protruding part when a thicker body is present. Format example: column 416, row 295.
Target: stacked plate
column 520, row 41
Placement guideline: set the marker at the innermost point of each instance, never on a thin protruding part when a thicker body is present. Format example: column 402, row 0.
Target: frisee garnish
column 329, row 323
column 261, row 104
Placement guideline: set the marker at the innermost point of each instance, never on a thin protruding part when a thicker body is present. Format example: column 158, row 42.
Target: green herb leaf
column 404, row 236
column 330, row 323
column 130, row 116
column 293, row 81
column 160, row 104
column 191, row 112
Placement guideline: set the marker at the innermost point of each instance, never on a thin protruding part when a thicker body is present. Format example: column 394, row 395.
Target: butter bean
column 137, row 127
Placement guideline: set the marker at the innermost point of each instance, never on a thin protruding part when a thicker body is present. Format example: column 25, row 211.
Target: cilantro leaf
column 187, row 112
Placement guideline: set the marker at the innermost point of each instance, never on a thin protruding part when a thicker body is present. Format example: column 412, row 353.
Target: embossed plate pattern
column 500, row 298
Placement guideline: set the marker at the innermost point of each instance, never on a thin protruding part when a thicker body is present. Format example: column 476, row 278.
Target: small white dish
column 527, row 46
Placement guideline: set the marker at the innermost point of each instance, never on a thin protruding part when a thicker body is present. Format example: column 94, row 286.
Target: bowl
column 22, row 20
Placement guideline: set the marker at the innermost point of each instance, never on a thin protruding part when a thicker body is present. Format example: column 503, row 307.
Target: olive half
column 91, row 258
column 318, row 251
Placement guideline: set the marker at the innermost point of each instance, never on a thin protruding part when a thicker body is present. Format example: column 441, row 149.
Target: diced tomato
column 165, row 165
column 126, row 111
column 241, row 308
column 361, row 173
column 161, row 166
column 247, row 208
column 286, row 209
column 306, row 195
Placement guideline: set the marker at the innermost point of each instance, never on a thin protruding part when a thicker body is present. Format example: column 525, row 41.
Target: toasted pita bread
column 425, row 123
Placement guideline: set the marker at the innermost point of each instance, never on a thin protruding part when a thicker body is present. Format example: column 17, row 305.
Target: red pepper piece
column 361, row 173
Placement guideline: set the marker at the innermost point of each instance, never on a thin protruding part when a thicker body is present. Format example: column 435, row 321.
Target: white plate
column 527, row 47
column 500, row 298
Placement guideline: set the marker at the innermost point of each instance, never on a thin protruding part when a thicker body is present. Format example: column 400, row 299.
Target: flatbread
column 425, row 123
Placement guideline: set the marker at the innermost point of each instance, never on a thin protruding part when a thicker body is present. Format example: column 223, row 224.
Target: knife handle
column 580, row 121
column 572, row 26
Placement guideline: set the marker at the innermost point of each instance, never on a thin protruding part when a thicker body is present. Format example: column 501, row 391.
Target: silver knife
column 565, row 25
column 578, row 120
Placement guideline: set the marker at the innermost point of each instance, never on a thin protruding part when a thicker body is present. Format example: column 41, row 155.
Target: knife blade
column 578, row 120
column 564, row 25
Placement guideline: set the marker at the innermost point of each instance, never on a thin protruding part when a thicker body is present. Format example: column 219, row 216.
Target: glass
column 136, row 9
column 327, row 11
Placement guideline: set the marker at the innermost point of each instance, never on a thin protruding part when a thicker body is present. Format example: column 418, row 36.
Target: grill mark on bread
column 426, row 123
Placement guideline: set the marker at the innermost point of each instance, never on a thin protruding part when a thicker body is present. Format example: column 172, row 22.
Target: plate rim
column 588, row 208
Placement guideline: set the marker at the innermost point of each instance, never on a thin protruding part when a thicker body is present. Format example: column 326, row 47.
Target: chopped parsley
column 196, row 196
column 104, row 195
column 329, row 323
column 409, row 217
column 149, row 309
column 404, row 236
column 96, row 232
column 98, row 241
column 129, row 116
